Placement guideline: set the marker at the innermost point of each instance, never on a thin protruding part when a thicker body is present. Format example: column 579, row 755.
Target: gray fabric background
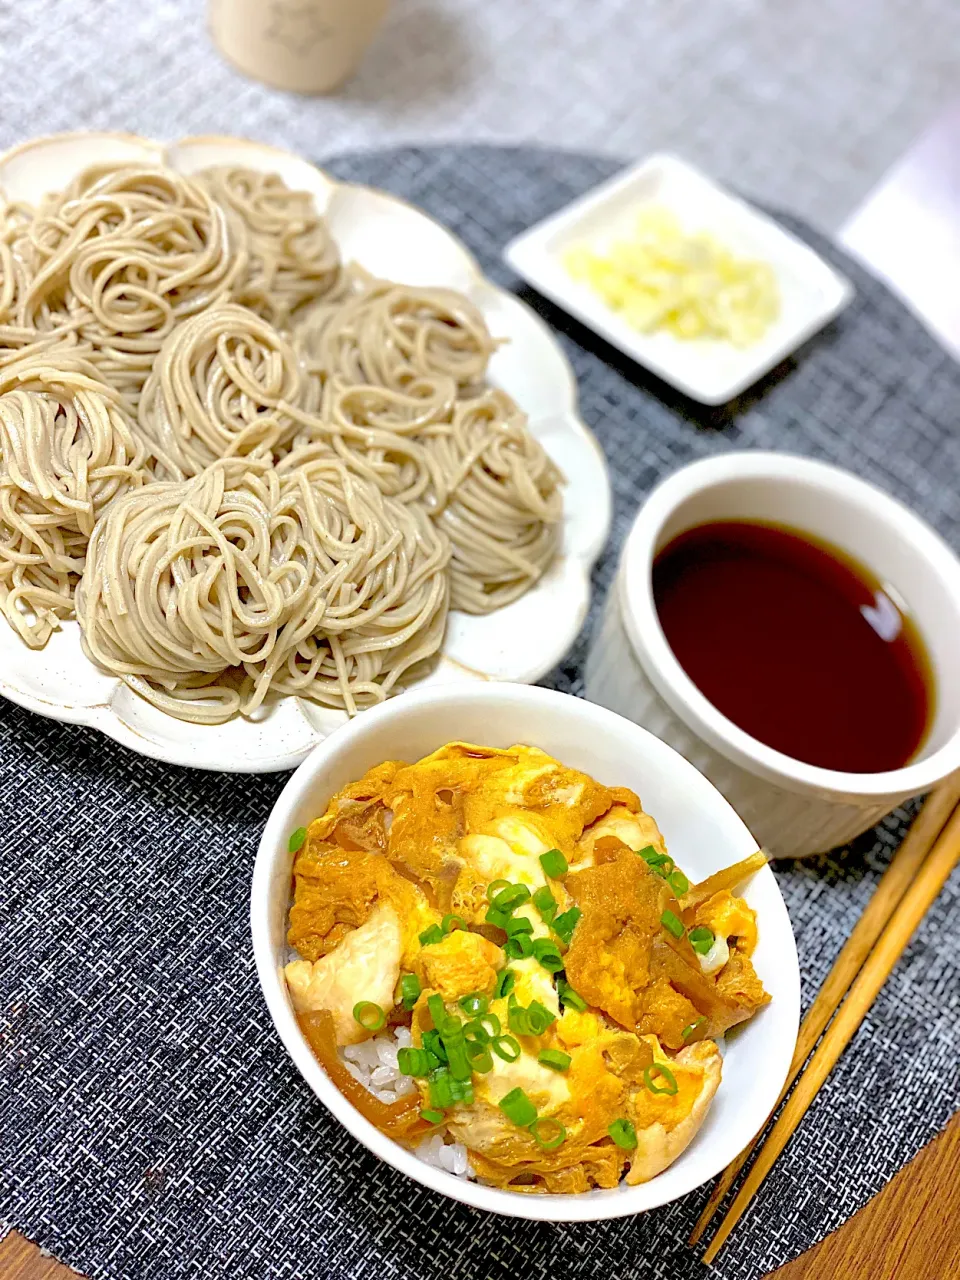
column 150, row 1124
column 802, row 104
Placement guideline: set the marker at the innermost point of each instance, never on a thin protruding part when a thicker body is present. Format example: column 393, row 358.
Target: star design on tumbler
column 298, row 27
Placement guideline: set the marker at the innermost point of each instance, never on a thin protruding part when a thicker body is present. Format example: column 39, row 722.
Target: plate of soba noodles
column 272, row 449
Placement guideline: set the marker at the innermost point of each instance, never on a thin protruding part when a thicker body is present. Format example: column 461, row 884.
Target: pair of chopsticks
column 906, row 890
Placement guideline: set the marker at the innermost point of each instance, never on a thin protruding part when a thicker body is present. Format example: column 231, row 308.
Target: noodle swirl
column 66, row 451
column 122, row 256
column 249, row 470
column 292, row 256
column 219, row 388
column 500, row 507
column 203, row 595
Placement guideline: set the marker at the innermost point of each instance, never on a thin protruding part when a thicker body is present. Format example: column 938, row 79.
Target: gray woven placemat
column 150, row 1123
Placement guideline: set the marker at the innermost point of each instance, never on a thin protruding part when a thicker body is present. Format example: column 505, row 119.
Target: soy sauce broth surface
column 795, row 643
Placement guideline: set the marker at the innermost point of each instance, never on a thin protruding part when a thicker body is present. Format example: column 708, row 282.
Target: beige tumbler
column 307, row 46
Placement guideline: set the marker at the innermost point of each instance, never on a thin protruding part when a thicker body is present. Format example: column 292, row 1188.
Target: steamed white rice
column 374, row 1063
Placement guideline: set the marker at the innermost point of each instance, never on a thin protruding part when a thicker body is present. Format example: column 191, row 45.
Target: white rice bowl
column 704, row 834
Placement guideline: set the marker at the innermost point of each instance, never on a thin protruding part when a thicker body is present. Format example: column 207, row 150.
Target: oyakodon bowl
column 702, row 833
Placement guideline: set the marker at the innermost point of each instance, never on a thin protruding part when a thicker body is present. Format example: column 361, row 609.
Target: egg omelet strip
column 393, row 882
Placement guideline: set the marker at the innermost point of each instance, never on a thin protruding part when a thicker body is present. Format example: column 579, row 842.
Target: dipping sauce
column 796, row 643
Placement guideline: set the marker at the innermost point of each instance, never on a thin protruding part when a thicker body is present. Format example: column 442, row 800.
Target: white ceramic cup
column 792, row 808
column 307, row 46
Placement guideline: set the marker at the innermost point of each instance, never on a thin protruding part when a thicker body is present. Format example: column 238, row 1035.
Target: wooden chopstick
column 930, row 879
column 893, row 884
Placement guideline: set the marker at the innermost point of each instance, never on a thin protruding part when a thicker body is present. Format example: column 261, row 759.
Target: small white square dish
column 709, row 370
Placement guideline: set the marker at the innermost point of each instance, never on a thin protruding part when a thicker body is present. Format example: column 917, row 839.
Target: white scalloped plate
column 391, row 238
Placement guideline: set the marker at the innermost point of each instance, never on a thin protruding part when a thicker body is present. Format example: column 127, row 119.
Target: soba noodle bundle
column 501, row 506
column 219, row 388
column 14, row 271
column 273, row 472
column 382, row 573
column 204, row 595
column 121, row 257
column 355, row 424
column 66, row 451
column 292, row 257
column 391, row 335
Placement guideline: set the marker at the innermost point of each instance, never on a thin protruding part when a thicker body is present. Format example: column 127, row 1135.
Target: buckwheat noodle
column 293, row 259
column 218, row 388
column 248, row 469
column 500, row 505
column 67, row 450
column 205, row 594
column 120, row 257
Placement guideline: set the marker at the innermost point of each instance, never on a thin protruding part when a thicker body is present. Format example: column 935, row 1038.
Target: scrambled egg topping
column 562, row 980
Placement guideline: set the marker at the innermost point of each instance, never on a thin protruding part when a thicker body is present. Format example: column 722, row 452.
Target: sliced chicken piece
column 364, row 966
column 665, row 1123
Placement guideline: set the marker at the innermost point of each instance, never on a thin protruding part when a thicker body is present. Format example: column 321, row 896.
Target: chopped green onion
column 449, row 923
column 518, row 947
column 450, row 1028
column 518, row 924
column 462, row 1091
column 545, row 903
column 701, row 939
column 414, row 1062
column 490, row 1023
column 370, row 1016
column 458, row 1060
column 297, row 840
column 548, row 1132
column 545, row 949
column 474, row 1003
column 507, row 1048
column 475, row 1032
column 431, row 1116
column 555, row 1059
column 516, row 1106
column 432, row 935
column 437, row 1009
column 441, row 1094
column 656, row 1069
column 433, row 1044
column 554, row 863
column 495, row 886
column 480, row 1058
column 539, row 1017
column 663, row 865
column 495, row 917
column 505, row 984
column 569, row 998
column 565, row 923
column 508, row 899
column 672, row 923
column 518, row 1019
column 409, row 990
column 687, row 1032
column 624, row 1134
column 678, row 882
